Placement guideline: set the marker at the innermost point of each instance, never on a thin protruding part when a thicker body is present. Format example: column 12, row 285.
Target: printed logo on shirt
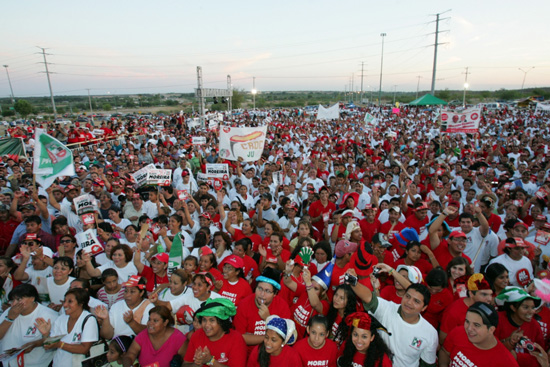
column 223, row 358
column 259, row 328
column 460, row 360
column 416, row 343
column 318, row 363
column 31, row 331
column 523, row 278
column 76, row 337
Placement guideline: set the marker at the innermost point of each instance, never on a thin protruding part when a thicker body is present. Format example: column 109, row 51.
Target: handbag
column 96, row 356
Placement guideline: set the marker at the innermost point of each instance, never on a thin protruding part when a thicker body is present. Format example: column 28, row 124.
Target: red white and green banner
column 52, row 159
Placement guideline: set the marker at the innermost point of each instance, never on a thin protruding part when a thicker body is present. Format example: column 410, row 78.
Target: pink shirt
column 164, row 355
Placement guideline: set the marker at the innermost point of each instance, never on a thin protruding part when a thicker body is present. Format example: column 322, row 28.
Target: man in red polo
column 419, row 219
column 453, row 247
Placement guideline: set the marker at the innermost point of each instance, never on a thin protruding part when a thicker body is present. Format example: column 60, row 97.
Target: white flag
column 52, row 159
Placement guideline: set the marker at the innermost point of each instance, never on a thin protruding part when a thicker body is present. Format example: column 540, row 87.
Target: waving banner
column 466, row 121
column 242, row 142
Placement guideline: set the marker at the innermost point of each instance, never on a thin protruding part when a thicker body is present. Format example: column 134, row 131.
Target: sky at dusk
column 131, row 47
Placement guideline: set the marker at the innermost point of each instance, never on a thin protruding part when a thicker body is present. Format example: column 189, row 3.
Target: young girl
column 364, row 347
column 112, row 291
column 305, row 230
column 118, row 346
column 190, row 265
column 317, row 349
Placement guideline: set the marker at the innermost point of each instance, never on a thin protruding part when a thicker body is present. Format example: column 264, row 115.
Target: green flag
column 52, row 159
column 12, row 148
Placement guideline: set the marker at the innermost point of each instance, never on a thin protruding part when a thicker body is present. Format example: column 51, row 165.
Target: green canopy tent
column 427, row 100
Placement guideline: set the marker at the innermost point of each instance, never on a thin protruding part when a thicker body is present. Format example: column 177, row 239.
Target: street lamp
column 9, row 81
column 524, row 76
column 383, row 35
column 254, row 91
column 464, row 95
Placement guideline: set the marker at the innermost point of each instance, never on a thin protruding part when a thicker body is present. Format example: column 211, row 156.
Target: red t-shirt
column 288, row 357
column 419, row 225
column 255, row 238
column 266, row 240
column 438, row 303
column 302, row 311
column 6, row 229
column 229, row 350
column 369, row 229
column 359, row 359
column 247, row 319
column 464, row 353
column 337, row 278
column 443, row 256
column 316, row 209
column 153, row 280
column 495, row 221
column 323, row 357
column 543, row 318
column 389, row 293
column 454, row 316
column 235, row 292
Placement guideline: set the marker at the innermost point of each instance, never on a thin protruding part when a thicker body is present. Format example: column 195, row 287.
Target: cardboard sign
column 86, row 239
column 278, row 178
column 218, row 184
column 541, row 194
column 85, row 204
column 159, row 177
column 88, row 218
column 217, row 170
column 198, row 140
column 542, row 237
column 242, row 142
column 183, row 195
column 140, row 176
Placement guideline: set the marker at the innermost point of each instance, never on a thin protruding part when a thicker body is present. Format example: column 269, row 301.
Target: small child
column 118, row 346
column 190, row 265
column 111, row 292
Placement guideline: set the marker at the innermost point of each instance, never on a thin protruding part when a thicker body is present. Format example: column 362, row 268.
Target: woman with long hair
column 273, row 351
column 364, row 346
column 7, row 283
column 222, row 245
column 271, row 227
column 458, row 272
column 248, row 230
column 305, row 230
column 344, row 303
column 497, row 276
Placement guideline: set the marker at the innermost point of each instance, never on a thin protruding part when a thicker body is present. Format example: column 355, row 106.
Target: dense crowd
column 346, row 244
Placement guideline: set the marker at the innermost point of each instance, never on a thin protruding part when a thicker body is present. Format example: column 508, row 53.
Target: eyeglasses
column 65, row 241
column 262, row 290
column 460, row 239
column 29, row 243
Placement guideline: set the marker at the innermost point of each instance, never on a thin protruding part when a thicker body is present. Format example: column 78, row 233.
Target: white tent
column 331, row 113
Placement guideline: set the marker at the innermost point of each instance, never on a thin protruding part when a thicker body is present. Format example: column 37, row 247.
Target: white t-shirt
column 38, row 279
column 22, row 331
column 123, row 273
column 117, row 312
column 188, row 299
column 520, row 271
column 408, row 342
column 57, row 292
column 90, row 333
column 474, row 240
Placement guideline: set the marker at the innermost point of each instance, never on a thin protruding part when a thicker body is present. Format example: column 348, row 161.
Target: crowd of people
column 346, row 244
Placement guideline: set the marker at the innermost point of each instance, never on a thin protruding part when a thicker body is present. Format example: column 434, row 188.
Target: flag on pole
column 371, row 120
column 52, row 159
column 12, row 148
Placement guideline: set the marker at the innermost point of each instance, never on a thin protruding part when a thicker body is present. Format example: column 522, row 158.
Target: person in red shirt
column 343, row 251
column 274, row 350
column 475, row 343
column 413, row 256
column 7, row 226
column 419, row 219
column 208, row 263
column 242, row 249
column 370, row 225
column 486, row 205
column 317, row 350
column 216, row 343
column 255, row 308
column 235, row 287
column 364, row 346
column 391, row 228
column 479, row 290
column 156, row 273
column 441, row 298
column 248, row 231
column 319, row 209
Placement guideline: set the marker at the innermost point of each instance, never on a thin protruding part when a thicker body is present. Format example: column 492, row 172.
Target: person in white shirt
column 520, row 269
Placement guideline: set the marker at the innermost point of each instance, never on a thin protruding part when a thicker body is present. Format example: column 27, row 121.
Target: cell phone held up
column 350, row 279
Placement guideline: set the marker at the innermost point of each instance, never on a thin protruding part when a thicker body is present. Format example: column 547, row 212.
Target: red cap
column 162, row 257
column 99, row 182
column 369, row 207
column 458, row 234
column 540, row 217
column 70, row 187
column 233, row 260
column 205, row 250
column 521, row 224
column 206, row 215
column 454, row 203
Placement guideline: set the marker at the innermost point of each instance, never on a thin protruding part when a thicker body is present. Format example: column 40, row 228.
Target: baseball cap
column 396, row 209
column 344, row 247
column 514, row 242
column 28, row 206
column 458, row 234
column 414, row 274
column 487, row 313
column 206, row 215
column 46, row 251
column 406, row 235
column 294, row 206
column 348, row 213
column 382, row 239
column 233, row 260
column 162, row 257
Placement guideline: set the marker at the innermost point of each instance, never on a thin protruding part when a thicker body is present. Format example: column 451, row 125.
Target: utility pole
column 383, row 35
column 90, row 100
column 394, row 93
column 230, row 98
column 437, row 31
column 417, row 86
column 362, row 64
column 352, row 87
column 49, row 81
column 465, row 87
column 525, row 76
column 9, row 81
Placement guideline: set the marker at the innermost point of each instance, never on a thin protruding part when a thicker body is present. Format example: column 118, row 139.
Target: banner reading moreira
column 466, row 121
column 242, row 142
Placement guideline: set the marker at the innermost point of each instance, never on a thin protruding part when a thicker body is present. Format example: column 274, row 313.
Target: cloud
column 244, row 63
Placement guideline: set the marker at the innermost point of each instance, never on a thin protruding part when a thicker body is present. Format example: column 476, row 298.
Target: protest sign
column 85, row 204
column 242, row 142
column 218, row 170
column 198, row 140
column 466, row 121
column 183, row 195
column 159, row 177
column 140, row 176
column 88, row 241
column 88, row 218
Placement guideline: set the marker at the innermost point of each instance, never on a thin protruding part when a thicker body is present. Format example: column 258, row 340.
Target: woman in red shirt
column 317, row 349
column 235, row 287
column 413, row 254
column 364, row 347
